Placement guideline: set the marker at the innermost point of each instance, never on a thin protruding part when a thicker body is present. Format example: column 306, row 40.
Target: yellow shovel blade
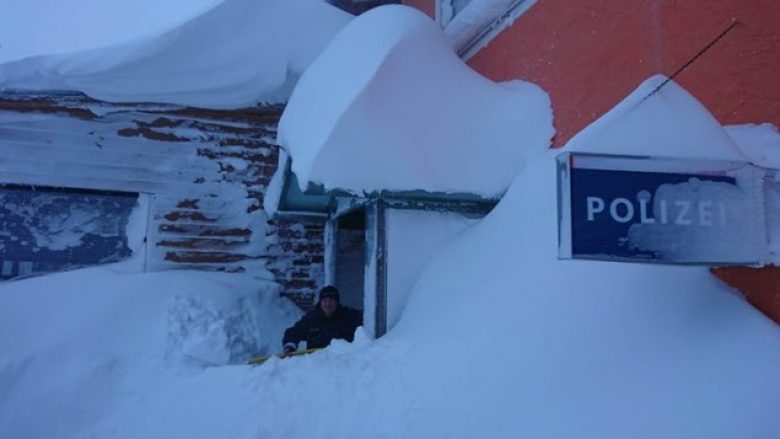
column 262, row 359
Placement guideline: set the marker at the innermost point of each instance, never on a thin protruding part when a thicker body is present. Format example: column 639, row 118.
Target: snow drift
column 389, row 106
column 499, row 338
column 588, row 349
column 76, row 345
column 238, row 54
column 37, row 27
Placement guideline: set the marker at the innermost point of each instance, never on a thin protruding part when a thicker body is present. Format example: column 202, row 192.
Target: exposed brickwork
column 189, row 216
column 195, row 224
column 203, row 257
column 43, row 104
column 188, row 204
column 298, row 261
column 151, row 134
column 190, row 229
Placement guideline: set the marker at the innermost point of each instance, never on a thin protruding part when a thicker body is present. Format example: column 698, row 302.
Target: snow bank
column 353, row 390
column 587, row 349
column 388, row 105
column 582, row 349
column 237, row 54
column 759, row 142
column 79, row 343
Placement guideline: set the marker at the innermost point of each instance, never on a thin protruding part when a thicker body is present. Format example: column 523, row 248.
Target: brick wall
column 206, row 172
column 297, row 260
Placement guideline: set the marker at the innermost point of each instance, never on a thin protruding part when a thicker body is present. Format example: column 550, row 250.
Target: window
column 470, row 24
column 52, row 229
column 446, row 10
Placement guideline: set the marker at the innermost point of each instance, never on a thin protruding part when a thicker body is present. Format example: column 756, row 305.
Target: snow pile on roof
column 388, row 105
column 78, row 344
column 587, row 349
column 36, row 27
column 238, row 54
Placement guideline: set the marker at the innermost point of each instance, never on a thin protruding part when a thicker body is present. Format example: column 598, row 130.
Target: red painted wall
column 588, row 55
column 427, row 6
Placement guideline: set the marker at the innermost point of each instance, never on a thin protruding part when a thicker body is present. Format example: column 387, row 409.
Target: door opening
column 351, row 257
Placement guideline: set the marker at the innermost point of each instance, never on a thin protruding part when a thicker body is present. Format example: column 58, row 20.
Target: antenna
column 691, row 61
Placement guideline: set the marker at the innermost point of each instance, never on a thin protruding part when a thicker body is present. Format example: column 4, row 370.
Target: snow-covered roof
column 389, row 106
column 44, row 27
column 237, row 54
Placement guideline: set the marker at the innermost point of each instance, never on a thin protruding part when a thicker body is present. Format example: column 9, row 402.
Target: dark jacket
column 318, row 330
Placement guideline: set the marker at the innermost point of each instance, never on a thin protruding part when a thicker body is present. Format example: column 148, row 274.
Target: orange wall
column 427, row 6
column 588, row 55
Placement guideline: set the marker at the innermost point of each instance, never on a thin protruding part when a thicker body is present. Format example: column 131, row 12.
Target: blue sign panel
column 660, row 210
column 46, row 229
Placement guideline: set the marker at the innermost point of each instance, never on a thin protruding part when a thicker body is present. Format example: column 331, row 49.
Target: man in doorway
column 327, row 321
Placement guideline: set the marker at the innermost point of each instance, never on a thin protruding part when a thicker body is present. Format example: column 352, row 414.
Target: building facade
column 589, row 55
column 194, row 180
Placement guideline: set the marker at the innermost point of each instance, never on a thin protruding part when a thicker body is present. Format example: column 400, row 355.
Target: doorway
column 350, row 257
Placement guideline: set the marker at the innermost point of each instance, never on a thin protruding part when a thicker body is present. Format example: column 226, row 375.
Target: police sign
column 644, row 209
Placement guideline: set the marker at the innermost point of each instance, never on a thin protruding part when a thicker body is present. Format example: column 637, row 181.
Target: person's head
column 329, row 300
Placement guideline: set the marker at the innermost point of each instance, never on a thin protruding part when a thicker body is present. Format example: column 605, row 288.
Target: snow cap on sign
column 665, row 122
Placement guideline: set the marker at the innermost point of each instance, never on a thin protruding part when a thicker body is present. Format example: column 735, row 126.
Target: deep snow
column 36, row 27
column 389, row 106
column 197, row 63
column 79, row 345
column 498, row 338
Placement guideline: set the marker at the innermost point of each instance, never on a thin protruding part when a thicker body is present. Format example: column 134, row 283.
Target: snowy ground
column 79, row 345
column 499, row 339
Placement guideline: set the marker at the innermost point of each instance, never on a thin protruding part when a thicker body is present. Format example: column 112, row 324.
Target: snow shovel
column 263, row 358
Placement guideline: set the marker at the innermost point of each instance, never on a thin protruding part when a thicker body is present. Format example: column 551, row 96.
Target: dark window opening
column 351, row 257
column 45, row 229
column 357, row 7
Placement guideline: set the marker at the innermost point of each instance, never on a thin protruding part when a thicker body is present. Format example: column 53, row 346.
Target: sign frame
column 576, row 170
